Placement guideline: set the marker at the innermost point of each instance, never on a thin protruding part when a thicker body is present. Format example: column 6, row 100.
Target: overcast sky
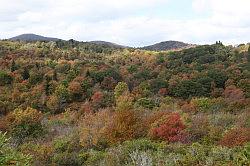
column 129, row 22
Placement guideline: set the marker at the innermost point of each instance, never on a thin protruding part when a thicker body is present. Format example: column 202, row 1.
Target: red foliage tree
column 169, row 128
column 97, row 100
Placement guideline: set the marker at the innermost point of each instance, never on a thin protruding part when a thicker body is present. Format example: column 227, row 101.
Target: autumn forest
column 70, row 103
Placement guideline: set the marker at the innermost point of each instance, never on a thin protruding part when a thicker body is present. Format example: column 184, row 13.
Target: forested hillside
column 68, row 103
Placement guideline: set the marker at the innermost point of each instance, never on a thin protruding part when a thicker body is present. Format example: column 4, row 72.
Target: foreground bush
column 9, row 156
column 147, row 153
column 25, row 123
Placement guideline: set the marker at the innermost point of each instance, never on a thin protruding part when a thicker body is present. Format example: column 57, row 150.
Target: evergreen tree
column 25, row 74
column 13, row 66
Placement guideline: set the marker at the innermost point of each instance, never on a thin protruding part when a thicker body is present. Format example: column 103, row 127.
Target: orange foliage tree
column 126, row 125
column 236, row 137
column 75, row 90
column 93, row 128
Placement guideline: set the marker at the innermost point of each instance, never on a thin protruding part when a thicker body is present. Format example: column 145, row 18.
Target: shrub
column 233, row 94
column 236, row 137
column 65, row 159
column 66, row 151
column 66, row 144
column 41, row 152
column 5, row 78
column 146, row 103
column 134, row 152
column 202, row 104
column 199, row 128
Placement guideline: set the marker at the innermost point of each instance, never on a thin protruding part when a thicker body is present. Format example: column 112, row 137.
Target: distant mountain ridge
column 166, row 45
column 162, row 46
column 29, row 37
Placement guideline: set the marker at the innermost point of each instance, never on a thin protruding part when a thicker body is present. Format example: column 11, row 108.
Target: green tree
column 219, row 77
column 187, row 89
column 120, row 89
column 62, row 92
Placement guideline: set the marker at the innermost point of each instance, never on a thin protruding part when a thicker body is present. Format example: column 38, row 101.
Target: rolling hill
column 167, row 45
column 32, row 37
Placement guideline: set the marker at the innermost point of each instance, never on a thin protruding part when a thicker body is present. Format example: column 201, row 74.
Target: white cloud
column 127, row 22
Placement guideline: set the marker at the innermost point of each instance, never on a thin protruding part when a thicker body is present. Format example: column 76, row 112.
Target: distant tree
column 146, row 103
column 157, row 84
column 244, row 84
column 124, row 103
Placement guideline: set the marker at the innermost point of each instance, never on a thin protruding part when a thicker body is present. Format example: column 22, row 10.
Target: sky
column 129, row 22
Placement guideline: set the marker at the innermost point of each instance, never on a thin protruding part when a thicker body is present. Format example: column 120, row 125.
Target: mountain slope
column 32, row 37
column 166, row 45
